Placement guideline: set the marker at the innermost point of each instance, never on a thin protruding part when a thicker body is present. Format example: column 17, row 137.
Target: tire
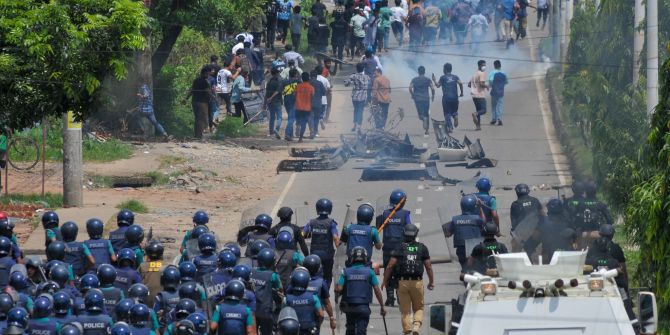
column 21, row 146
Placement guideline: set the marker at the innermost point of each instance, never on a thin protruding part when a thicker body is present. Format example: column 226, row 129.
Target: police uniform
column 95, row 324
column 464, row 227
column 253, row 236
column 523, row 207
column 410, row 258
column 298, row 239
column 118, row 238
column 126, row 276
column 150, row 273
column 481, row 254
column 112, row 297
column 232, row 318
column 215, row 282
column 74, row 255
column 489, row 204
column 361, row 235
column 392, row 237
column 590, row 214
column 266, row 283
column 306, row 306
column 6, row 263
column 357, row 281
column 51, row 234
column 43, row 326
column 141, row 330
column 205, row 263
column 165, row 301
column 323, row 230
column 100, row 249
column 287, row 261
column 601, row 259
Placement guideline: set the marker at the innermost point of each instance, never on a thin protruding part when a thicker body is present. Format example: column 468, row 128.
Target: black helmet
column 242, row 272
column 577, row 188
column 365, row 213
column 106, row 274
column 184, row 327
column 69, row 230
column 521, row 190
column 138, row 292
column 126, row 254
column 601, row 244
column 121, row 328
column 155, row 250
column 42, row 307
column 50, row 220
column 227, row 259
column 122, row 308
column 590, row 187
column 266, row 258
column 62, row 302
column 312, row 263
column 134, row 235
column 125, row 218
column 234, row 290
column 95, row 228
column 324, row 206
column 170, row 277
column 606, row 230
column 411, row 231
column 5, row 246
column 288, row 323
column 490, row 228
column 200, row 218
column 358, row 255
column 56, row 251
column 256, row 246
column 17, row 316
column 6, row 303
column 554, row 207
column 285, row 213
column 6, row 226
column 184, row 307
column 469, row 204
column 88, row 281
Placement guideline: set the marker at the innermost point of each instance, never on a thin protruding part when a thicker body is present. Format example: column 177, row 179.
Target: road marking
column 283, row 194
column 549, row 129
column 419, row 199
column 439, row 189
column 420, row 187
column 423, row 166
column 417, row 211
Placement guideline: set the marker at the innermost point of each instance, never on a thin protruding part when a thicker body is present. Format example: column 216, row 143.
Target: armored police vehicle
column 556, row 298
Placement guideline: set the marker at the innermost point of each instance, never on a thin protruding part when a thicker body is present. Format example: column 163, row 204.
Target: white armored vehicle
column 556, row 298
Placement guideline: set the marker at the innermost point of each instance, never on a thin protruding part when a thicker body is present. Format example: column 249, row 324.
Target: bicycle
column 20, row 151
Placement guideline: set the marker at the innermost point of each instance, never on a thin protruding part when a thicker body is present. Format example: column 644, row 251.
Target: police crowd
column 277, row 285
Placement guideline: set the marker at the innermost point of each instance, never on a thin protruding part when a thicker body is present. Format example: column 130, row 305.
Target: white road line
column 549, row 129
column 423, row 166
column 439, row 189
column 420, row 187
column 417, row 211
column 283, row 194
column 419, row 199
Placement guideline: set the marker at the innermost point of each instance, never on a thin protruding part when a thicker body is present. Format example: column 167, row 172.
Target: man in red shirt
column 303, row 103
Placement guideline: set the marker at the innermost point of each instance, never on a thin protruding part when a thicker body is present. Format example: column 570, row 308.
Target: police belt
column 410, row 278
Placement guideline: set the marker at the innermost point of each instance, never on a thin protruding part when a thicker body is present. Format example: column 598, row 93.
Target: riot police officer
column 267, row 286
column 74, row 254
column 124, row 219
column 614, row 249
column 285, row 214
column 86, row 283
column 206, row 262
column 96, row 249
column 42, row 323
column 232, row 317
column 306, row 304
column 242, row 272
column 61, row 276
column 591, row 213
column 6, row 304
column 200, row 218
column 61, row 307
column 134, row 238
column 255, row 248
column 7, row 230
column 95, row 322
column 362, row 234
column 139, row 320
column 192, row 249
column 126, row 275
column 50, row 223
column 355, row 286
column 122, row 310
column 555, row 231
column 107, row 276
column 410, row 258
column 571, row 204
column 215, row 282
column 487, row 202
column 481, row 257
column 287, row 257
column 167, row 299
column 200, row 322
column 264, row 223
column 525, row 207
column 6, row 261
column 323, row 232
column 392, row 228
column 21, row 289
column 468, row 225
column 17, row 318
column 319, row 286
column 150, row 271
column 288, row 324
column 56, row 257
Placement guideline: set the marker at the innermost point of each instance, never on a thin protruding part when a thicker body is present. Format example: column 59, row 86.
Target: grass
column 50, row 200
column 169, row 160
column 159, row 178
column 233, row 127
column 133, row 205
column 111, row 150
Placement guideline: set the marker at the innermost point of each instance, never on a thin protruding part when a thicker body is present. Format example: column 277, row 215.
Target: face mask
column 483, row 68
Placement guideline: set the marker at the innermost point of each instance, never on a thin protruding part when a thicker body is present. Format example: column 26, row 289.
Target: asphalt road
column 525, row 148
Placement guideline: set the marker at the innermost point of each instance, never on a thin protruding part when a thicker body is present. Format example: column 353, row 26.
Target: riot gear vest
column 55, row 231
column 216, row 281
column 118, row 238
column 168, row 300
column 78, row 306
column 75, row 257
column 303, row 305
column 205, row 264
column 285, row 265
column 112, row 297
column 357, row 287
column 410, row 264
column 124, row 278
column 262, row 281
column 483, row 260
column 322, row 237
column 523, row 207
column 151, row 277
column 140, row 331
column 95, row 324
column 589, row 215
column 251, row 237
column 44, row 326
column 394, row 230
column 99, row 251
column 6, row 264
column 486, row 200
column 63, row 319
column 466, row 227
column 232, row 319
column 315, row 285
column 360, row 236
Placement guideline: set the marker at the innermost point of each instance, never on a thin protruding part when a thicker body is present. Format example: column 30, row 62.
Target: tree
column 54, row 55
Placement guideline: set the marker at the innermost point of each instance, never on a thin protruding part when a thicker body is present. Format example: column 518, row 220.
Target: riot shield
column 248, row 217
column 471, row 243
column 445, row 216
column 340, row 259
column 192, row 250
column 525, row 229
column 212, row 289
column 302, row 215
column 381, row 204
column 468, row 185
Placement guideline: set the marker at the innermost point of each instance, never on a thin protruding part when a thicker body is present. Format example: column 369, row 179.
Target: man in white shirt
column 398, row 18
column 324, row 99
column 291, row 55
column 223, row 80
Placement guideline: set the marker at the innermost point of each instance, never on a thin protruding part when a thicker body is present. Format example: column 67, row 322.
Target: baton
column 395, row 209
column 385, row 327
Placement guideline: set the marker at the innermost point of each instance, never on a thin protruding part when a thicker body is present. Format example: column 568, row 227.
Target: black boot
column 390, row 298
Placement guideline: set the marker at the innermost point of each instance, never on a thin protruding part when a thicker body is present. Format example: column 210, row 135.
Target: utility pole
column 73, row 182
column 564, row 33
column 638, row 39
column 652, row 55
column 555, row 30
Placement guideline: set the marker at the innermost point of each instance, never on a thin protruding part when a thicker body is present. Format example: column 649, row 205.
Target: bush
column 232, row 127
column 49, row 200
column 133, row 205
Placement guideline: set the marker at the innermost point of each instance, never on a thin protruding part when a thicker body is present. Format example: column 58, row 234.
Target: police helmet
column 62, row 302
column 125, row 218
column 601, row 244
column 48, row 286
column 5, row 246
column 284, row 240
column 122, row 308
column 606, row 230
column 56, row 251
column 200, row 322
column 569, row 233
column 94, row 300
column 184, row 308
column 207, row 243
column 411, row 231
column 324, row 206
column 256, row 246
column 234, row 248
column 300, row 280
column 287, row 322
column 187, row 271
column 285, row 213
column 18, row 280
column 234, row 290
column 170, row 277
column 6, row 227
column 396, row 197
column 42, row 307
column 266, row 258
column 263, row 220
column 312, row 263
column 227, row 259
column 139, row 315
column 242, row 272
column 490, row 228
column 199, row 231
column 95, row 228
column 106, row 274
column 14, row 330
column 17, row 316
column 6, row 303
column 89, row 281
column 365, row 213
column 483, row 184
column 60, row 274
column 75, row 328
column 358, row 255
column 200, row 218
column 469, row 204
column 189, row 290
column 139, row 292
column 577, row 188
column 69, row 231
column 50, row 220
column 554, row 207
column 121, row 328
column 155, row 250
column 134, row 235
column 590, row 187
column 126, row 254
column 521, row 190
column 184, row 327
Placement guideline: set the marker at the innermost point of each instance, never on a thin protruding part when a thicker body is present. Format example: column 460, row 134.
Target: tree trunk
column 162, row 53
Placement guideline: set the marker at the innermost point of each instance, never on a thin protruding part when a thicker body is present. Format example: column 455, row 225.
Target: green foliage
column 232, row 127
column 55, row 54
column 49, row 200
column 133, row 205
column 159, row 178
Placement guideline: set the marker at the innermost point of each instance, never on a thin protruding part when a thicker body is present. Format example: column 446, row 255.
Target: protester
column 418, row 89
column 381, row 95
column 146, row 106
column 283, row 18
column 359, row 94
column 398, row 21
column 273, row 102
column 478, row 88
column 239, row 87
column 497, row 80
column 200, row 94
column 304, row 92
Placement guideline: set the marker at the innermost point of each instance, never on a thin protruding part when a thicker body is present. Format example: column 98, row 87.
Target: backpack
column 415, row 16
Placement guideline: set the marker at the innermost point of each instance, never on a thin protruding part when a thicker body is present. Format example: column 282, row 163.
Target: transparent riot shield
column 247, row 220
column 340, row 259
column 525, row 229
column 445, row 216
column 302, row 215
column 381, row 204
column 471, row 243
column 468, row 185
